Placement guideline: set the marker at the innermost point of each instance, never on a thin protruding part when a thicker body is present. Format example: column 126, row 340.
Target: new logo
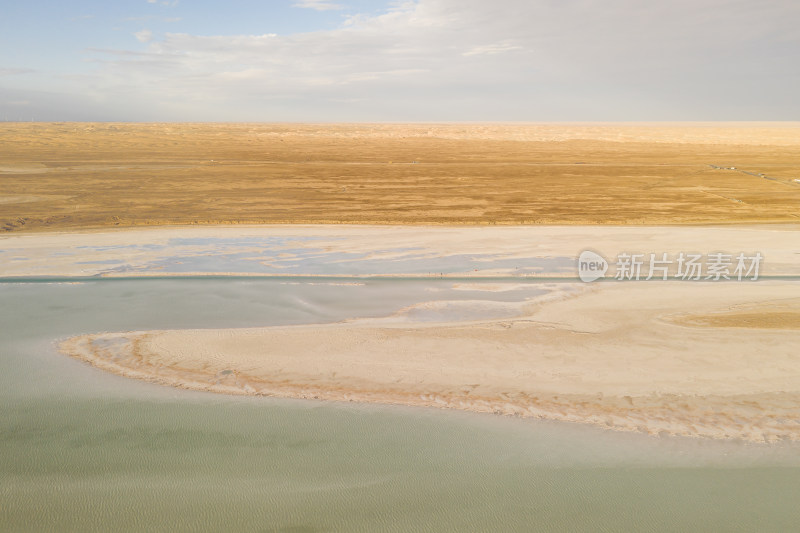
column 591, row 266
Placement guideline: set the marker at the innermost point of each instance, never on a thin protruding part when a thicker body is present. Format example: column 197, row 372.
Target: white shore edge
column 614, row 355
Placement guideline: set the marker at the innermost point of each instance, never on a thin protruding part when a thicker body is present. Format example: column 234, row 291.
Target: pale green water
column 81, row 450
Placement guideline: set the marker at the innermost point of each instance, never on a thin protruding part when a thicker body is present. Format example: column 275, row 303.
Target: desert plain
column 64, row 175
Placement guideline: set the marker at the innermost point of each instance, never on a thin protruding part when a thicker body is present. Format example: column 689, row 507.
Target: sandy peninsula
column 715, row 360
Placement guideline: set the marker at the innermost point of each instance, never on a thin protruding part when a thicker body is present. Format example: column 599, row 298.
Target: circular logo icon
column 591, row 266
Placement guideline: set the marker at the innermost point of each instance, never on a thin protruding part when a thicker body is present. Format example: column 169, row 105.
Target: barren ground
column 62, row 175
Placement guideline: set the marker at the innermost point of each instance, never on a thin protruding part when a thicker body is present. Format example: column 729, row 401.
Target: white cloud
column 15, row 71
column 468, row 60
column 143, row 36
column 319, row 5
column 497, row 48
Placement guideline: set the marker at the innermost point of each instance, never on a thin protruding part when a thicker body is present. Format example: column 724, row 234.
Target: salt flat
column 698, row 358
column 378, row 250
column 617, row 355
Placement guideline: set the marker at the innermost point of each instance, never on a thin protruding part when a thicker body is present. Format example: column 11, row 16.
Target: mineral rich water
column 84, row 450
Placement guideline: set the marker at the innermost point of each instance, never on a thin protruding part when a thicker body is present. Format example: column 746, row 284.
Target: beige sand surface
column 612, row 354
column 157, row 174
column 43, row 253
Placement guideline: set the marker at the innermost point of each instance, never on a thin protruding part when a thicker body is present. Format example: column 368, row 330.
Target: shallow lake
column 82, row 450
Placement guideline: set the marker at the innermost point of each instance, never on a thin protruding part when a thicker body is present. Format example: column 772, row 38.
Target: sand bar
column 624, row 355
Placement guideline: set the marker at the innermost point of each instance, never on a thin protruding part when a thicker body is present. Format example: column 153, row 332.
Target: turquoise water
column 82, row 450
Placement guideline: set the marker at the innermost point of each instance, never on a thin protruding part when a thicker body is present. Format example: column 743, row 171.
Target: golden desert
column 97, row 175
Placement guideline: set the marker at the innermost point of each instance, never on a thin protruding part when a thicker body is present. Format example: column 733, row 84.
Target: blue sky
column 423, row 60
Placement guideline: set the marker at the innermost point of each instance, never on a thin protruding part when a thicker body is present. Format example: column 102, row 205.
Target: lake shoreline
column 676, row 379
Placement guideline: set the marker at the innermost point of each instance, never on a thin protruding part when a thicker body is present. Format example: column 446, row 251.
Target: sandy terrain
column 145, row 251
column 702, row 359
column 55, row 175
column 618, row 355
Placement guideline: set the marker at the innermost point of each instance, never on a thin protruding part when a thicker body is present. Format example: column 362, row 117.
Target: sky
column 399, row 61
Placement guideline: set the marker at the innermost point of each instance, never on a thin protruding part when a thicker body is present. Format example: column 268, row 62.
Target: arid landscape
column 423, row 265
column 377, row 200
column 81, row 175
